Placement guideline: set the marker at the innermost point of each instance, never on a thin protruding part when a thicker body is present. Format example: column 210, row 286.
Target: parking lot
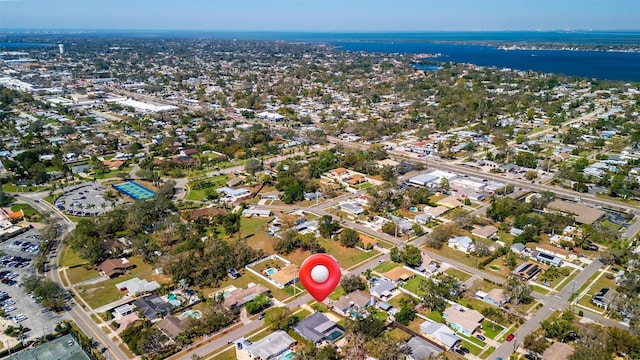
column 21, row 309
column 87, row 199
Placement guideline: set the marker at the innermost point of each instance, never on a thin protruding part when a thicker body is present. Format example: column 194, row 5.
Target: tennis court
column 134, row 190
column 58, row 349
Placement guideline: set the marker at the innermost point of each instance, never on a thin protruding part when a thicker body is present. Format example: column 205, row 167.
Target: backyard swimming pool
column 271, row 271
column 191, row 313
column 287, row 355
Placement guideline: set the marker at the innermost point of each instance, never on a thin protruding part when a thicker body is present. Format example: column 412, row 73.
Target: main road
column 75, row 313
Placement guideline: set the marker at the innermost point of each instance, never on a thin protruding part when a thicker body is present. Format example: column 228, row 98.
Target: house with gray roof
column 318, row 328
column 383, row 289
column 421, row 349
column 271, row 346
column 440, row 333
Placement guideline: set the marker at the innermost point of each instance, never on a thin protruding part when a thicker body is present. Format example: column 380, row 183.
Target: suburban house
column 440, row 333
column 557, row 351
column 355, row 301
column 115, row 267
column 465, row 321
column 137, row 286
column 518, row 248
column 318, row 328
column 436, row 212
column 495, row 297
column 152, row 306
column 555, row 251
column 423, row 218
column 604, row 298
column 429, row 265
column 545, row 258
column 485, row 232
column 271, row 346
column 285, row 276
column 239, row 297
column 399, row 273
column 529, row 270
column 207, row 213
column 461, row 243
column 172, row 326
column 421, row 349
column 383, row 289
column 234, row 194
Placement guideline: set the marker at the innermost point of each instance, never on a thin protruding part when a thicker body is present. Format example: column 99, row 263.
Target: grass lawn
column 474, row 340
column 491, row 329
column 458, row 274
column 473, row 348
column 566, row 280
column 398, row 299
column 337, row 293
column 485, row 354
column 114, row 174
column 436, row 316
column 497, row 267
column 71, row 258
column 459, row 256
column 26, row 208
column 227, row 355
column 386, row 266
column 347, row 257
column 596, row 285
column 412, row 285
column 81, row 273
column 103, row 293
column 244, row 280
column 540, row 290
column 399, row 334
column 10, row 188
column 200, row 194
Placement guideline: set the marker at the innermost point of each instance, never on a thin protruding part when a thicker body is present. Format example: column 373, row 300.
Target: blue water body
column 22, row 45
column 593, row 64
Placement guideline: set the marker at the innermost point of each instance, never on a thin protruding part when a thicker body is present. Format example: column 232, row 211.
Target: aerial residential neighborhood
column 163, row 207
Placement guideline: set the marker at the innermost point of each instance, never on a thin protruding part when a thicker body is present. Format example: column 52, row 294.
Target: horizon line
column 311, row 31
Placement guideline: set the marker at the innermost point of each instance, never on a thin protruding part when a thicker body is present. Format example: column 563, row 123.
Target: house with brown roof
column 338, row 172
column 399, row 273
column 450, row 201
column 208, row 213
column 582, row 213
column 484, row 232
column 557, row 351
column 356, row 179
column 357, row 300
column 465, row 321
column 172, row 326
column 237, row 298
column 115, row 267
column 286, row 276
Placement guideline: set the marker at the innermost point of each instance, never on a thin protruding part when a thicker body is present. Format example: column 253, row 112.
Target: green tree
column 280, row 318
column 352, row 283
column 257, row 304
column 327, row 226
column 405, row 315
column 349, row 238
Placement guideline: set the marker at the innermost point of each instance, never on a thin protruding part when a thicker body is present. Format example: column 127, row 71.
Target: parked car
column 464, row 350
column 510, row 337
column 481, row 337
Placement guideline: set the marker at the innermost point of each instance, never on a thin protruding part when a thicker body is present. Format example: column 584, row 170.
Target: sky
column 321, row 15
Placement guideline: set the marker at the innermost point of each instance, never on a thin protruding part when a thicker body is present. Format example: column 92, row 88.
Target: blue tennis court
column 134, row 190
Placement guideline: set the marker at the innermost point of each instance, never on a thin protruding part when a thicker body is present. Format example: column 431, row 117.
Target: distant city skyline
column 321, row 16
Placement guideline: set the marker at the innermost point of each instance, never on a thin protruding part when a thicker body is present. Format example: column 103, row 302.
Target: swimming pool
column 191, row 313
column 134, row 190
column 287, row 355
column 172, row 296
column 271, row 271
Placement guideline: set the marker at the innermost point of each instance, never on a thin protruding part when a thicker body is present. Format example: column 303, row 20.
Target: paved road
column 79, row 316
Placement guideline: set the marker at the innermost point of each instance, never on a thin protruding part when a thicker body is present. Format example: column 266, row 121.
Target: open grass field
column 458, row 274
column 347, row 257
column 26, row 208
column 456, row 255
column 413, row 284
column 105, row 292
column 70, row 258
column 226, row 355
column 595, row 286
column 386, row 266
column 199, row 194
column 81, row 273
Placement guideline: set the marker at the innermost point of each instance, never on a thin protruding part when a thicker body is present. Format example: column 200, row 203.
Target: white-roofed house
column 461, row 243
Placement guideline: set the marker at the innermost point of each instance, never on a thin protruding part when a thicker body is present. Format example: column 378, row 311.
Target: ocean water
column 623, row 66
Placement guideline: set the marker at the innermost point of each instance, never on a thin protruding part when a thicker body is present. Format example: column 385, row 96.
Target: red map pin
column 320, row 274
